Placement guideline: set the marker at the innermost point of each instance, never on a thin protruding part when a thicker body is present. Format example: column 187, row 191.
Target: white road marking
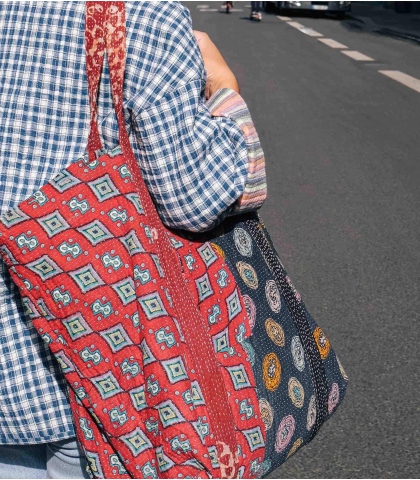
column 311, row 33
column 332, row 43
column 355, row 55
column 305, row 30
column 202, row 6
column 296, row 25
column 285, row 19
column 407, row 80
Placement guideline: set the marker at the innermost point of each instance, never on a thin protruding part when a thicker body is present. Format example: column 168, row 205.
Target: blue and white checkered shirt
column 195, row 165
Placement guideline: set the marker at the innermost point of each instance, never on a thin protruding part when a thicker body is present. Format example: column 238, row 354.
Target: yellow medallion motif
column 218, row 250
column 248, row 275
column 295, row 447
column 322, row 342
column 275, row 332
column 271, row 371
column 267, row 415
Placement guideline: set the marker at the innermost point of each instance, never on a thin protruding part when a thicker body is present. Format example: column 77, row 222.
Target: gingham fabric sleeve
column 196, row 165
column 228, row 103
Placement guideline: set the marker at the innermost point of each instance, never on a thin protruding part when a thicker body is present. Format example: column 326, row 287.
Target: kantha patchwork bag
column 185, row 355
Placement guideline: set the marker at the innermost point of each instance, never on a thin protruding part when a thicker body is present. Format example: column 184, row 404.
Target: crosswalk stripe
column 285, row 19
column 355, row 55
column 332, row 43
column 407, row 80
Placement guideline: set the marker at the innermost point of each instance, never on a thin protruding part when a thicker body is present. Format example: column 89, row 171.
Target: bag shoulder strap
column 105, row 31
column 95, row 51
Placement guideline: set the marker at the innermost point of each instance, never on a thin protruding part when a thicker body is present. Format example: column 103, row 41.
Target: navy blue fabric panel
column 282, row 367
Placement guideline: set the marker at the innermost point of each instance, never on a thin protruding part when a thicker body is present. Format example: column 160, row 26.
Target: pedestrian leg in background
column 65, row 459
column 228, row 6
column 256, row 8
column 23, row 461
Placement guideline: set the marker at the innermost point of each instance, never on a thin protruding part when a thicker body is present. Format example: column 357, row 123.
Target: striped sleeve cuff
column 227, row 103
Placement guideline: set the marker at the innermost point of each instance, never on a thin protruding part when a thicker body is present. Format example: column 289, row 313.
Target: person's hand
column 219, row 75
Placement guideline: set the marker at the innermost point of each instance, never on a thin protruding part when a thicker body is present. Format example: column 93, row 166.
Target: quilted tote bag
column 185, row 355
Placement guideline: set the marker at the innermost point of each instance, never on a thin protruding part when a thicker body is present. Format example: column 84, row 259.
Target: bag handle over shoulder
column 95, row 51
column 105, row 31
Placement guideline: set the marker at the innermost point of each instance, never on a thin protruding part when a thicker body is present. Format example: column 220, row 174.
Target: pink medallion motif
column 284, row 433
column 333, row 398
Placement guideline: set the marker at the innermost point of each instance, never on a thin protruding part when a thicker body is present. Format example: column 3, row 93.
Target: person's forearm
column 219, row 75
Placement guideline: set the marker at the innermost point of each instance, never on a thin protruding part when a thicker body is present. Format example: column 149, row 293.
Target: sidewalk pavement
column 388, row 21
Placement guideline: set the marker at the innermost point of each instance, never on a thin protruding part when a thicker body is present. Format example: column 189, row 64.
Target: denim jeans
column 62, row 459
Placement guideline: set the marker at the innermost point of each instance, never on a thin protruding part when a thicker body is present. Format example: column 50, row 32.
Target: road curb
column 399, row 34
column 374, row 27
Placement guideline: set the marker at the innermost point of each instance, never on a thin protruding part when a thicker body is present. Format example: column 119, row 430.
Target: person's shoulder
column 162, row 51
column 156, row 14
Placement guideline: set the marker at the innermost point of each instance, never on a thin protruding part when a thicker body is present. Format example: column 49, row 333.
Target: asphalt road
column 342, row 147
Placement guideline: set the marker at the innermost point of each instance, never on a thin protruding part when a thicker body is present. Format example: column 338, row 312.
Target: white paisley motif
column 298, row 354
column 311, row 417
column 273, row 296
column 243, row 242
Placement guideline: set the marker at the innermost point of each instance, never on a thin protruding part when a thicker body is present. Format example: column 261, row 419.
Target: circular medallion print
column 295, row 447
column 267, row 414
column 275, row 332
column 243, row 242
column 298, row 354
column 342, row 371
column 251, row 311
column 271, row 371
column 273, row 296
column 284, row 433
column 218, row 250
column 248, row 275
column 322, row 342
column 311, row 417
column 333, row 398
column 296, row 392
